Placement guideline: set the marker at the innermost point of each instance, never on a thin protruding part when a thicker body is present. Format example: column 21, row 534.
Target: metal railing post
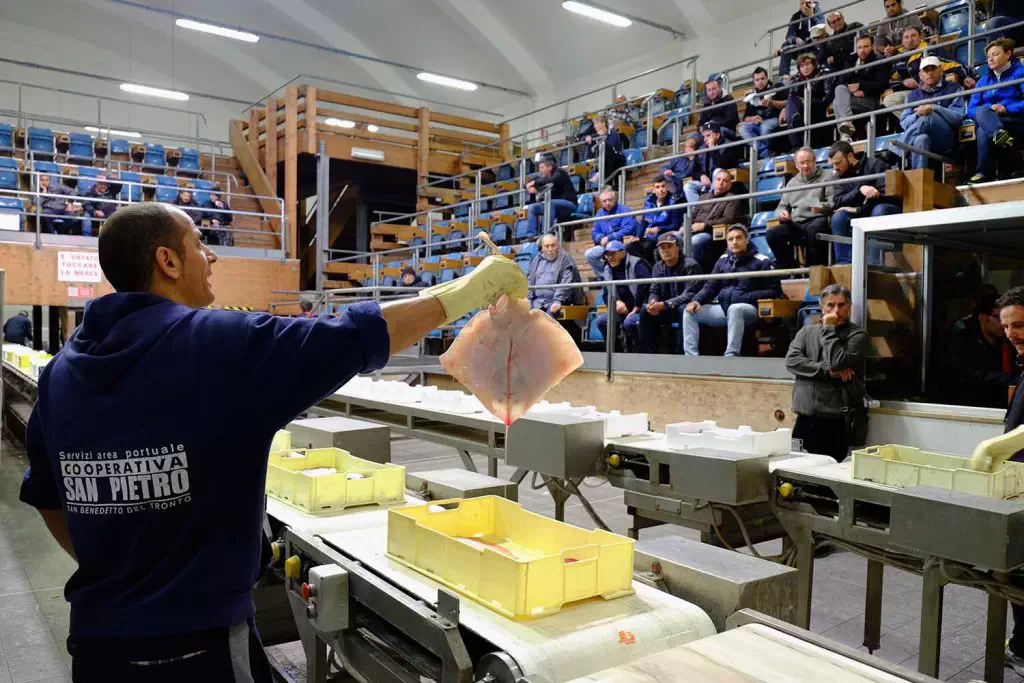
column 687, row 234
column 693, row 86
column 870, row 151
column 323, row 200
column 972, row 5
column 600, row 165
column 621, row 173
column 610, row 337
column 39, row 212
column 547, row 211
column 771, row 52
column 430, row 233
column 676, row 133
column 650, row 123
column 808, row 99
column 754, row 172
column 522, row 181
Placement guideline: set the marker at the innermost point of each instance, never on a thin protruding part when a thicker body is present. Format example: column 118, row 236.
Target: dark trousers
column 822, row 435
column 650, row 325
column 989, row 123
column 788, row 234
column 795, row 119
column 224, row 655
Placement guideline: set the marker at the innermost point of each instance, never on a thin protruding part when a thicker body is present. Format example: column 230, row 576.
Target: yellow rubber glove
column 495, row 276
column 991, row 453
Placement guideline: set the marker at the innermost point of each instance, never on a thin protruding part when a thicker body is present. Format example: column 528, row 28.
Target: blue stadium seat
column 435, row 238
column 6, row 137
column 166, row 188
column 760, row 241
column 418, row 241
column 585, row 204
column 189, row 160
column 760, row 220
column 528, row 248
column 120, row 146
column 641, row 139
column 955, row 17
column 12, row 205
column 506, row 250
column 593, row 331
column 461, row 210
column 85, row 178
column 389, row 282
column 40, row 140
column 770, row 201
column 577, row 183
column 522, row 229
column 202, row 192
column 8, row 173
column 428, row 277
column 564, row 158
column 506, row 172
column 130, row 192
column 501, row 202
column 523, row 261
column 499, row 232
column 805, row 316
column 768, row 167
column 457, row 235
column 633, row 156
column 155, row 157
column 46, row 167
column 80, row 146
column 821, row 155
column 447, row 275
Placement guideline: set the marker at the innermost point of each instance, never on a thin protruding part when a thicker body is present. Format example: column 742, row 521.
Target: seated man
column 803, row 214
column 797, row 35
column 553, row 266
column 57, row 213
column 932, row 127
column 998, row 113
column 677, row 170
column 856, row 199
column 888, row 36
column 100, row 203
column 736, row 305
column 859, row 91
column 563, row 195
column 410, row 278
column 629, row 299
column 708, row 214
column 717, row 109
column 793, row 115
column 841, row 53
column 611, row 227
column 215, row 214
column 761, row 117
column 188, row 204
column 903, row 72
column 710, row 159
column 667, row 299
column 981, row 362
column 614, row 159
column 658, row 223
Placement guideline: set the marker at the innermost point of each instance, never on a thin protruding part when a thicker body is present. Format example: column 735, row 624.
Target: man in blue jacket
column 629, row 300
column 150, row 482
column 667, row 299
column 611, row 227
column 998, row 113
column 658, row 223
column 932, row 127
column 737, row 299
column 679, row 168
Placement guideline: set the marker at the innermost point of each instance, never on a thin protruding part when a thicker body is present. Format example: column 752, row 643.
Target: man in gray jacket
column 828, row 362
column 803, row 213
column 552, row 266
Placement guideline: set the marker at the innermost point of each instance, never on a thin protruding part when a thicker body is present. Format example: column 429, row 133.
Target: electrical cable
column 587, row 506
column 743, row 529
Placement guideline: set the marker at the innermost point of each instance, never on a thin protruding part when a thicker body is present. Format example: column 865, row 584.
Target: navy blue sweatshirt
column 152, row 429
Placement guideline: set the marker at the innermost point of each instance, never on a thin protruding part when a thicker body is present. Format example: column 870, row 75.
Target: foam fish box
column 907, row 466
column 708, row 434
column 37, row 363
column 518, row 563
column 300, row 479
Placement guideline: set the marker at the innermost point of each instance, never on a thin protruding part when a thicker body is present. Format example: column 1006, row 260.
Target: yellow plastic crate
column 906, row 466
column 357, row 481
column 282, row 441
column 517, row 563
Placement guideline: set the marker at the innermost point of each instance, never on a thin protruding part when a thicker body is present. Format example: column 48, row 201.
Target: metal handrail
column 773, row 29
column 377, row 254
column 426, row 212
column 122, row 202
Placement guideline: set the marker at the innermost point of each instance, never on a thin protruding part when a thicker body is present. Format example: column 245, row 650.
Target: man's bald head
column 130, row 237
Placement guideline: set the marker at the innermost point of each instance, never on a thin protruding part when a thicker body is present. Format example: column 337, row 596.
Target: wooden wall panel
column 674, row 398
column 31, row 278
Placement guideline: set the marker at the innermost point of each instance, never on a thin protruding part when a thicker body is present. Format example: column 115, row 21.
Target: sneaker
column 847, row 130
column 1002, row 138
column 1013, row 661
column 978, row 178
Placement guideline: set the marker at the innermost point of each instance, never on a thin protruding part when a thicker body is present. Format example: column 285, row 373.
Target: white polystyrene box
column 708, row 434
column 618, row 425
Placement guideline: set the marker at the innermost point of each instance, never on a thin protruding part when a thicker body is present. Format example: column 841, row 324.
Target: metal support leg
column 995, row 639
column 805, row 577
column 492, row 466
column 556, row 487
column 518, row 476
column 931, row 621
column 873, row 606
column 467, row 460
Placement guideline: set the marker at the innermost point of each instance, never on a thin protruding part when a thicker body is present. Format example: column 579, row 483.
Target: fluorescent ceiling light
column 218, row 30
column 595, row 13
column 370, row 154
column 153, row 92
column 372, row 128
column 445, row 80
column 107, row 131
column 341, row 123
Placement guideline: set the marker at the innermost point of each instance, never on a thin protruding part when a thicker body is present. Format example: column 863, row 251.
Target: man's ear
column 169, row 263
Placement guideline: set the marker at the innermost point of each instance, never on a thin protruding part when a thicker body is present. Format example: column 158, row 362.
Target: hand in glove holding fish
column 495, row 276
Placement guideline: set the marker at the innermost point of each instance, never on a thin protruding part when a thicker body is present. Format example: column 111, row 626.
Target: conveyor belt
column 583, row 638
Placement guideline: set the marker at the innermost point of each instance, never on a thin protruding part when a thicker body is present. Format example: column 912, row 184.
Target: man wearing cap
column 737, row 298
column 667, row 299
column 859, row 91
column 819, row 34
column 709, row 159
column 933, row 127
column 410, row 278
column 629, row 299
column 717, row 108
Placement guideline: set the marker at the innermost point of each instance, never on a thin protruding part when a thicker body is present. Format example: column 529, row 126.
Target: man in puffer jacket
column 999, row 113
column 657, row 223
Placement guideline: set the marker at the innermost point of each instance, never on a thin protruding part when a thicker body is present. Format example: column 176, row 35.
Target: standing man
column 828, row 363
column 164, row 513
column 860, row 90
column 18, row 329
column 803, row 213
column 667, row 299
column 857, row 199
column 932, row 127
column 761, row 117
column 1011, row 316
column 563, row 195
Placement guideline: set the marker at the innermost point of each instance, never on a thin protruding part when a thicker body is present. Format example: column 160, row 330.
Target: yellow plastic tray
column 329, row 494
column 518, row 563
column 906, row 466
column 282, row 441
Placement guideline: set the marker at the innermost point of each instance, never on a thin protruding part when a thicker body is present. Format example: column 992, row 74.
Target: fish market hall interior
column 538, row 342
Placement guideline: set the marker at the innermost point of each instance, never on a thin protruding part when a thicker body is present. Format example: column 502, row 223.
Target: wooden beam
column 254, row 131
column 423, row 155
column 506, row 147
column 251, row 166
column 366, row 135
column 363, row 118
column 311, row 116
column 364, row 103
column 458, row 135
column 463, row 122
column 270, row 153
column 291, row 169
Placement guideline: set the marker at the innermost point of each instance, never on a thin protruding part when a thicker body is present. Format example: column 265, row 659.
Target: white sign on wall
column 78, row 266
